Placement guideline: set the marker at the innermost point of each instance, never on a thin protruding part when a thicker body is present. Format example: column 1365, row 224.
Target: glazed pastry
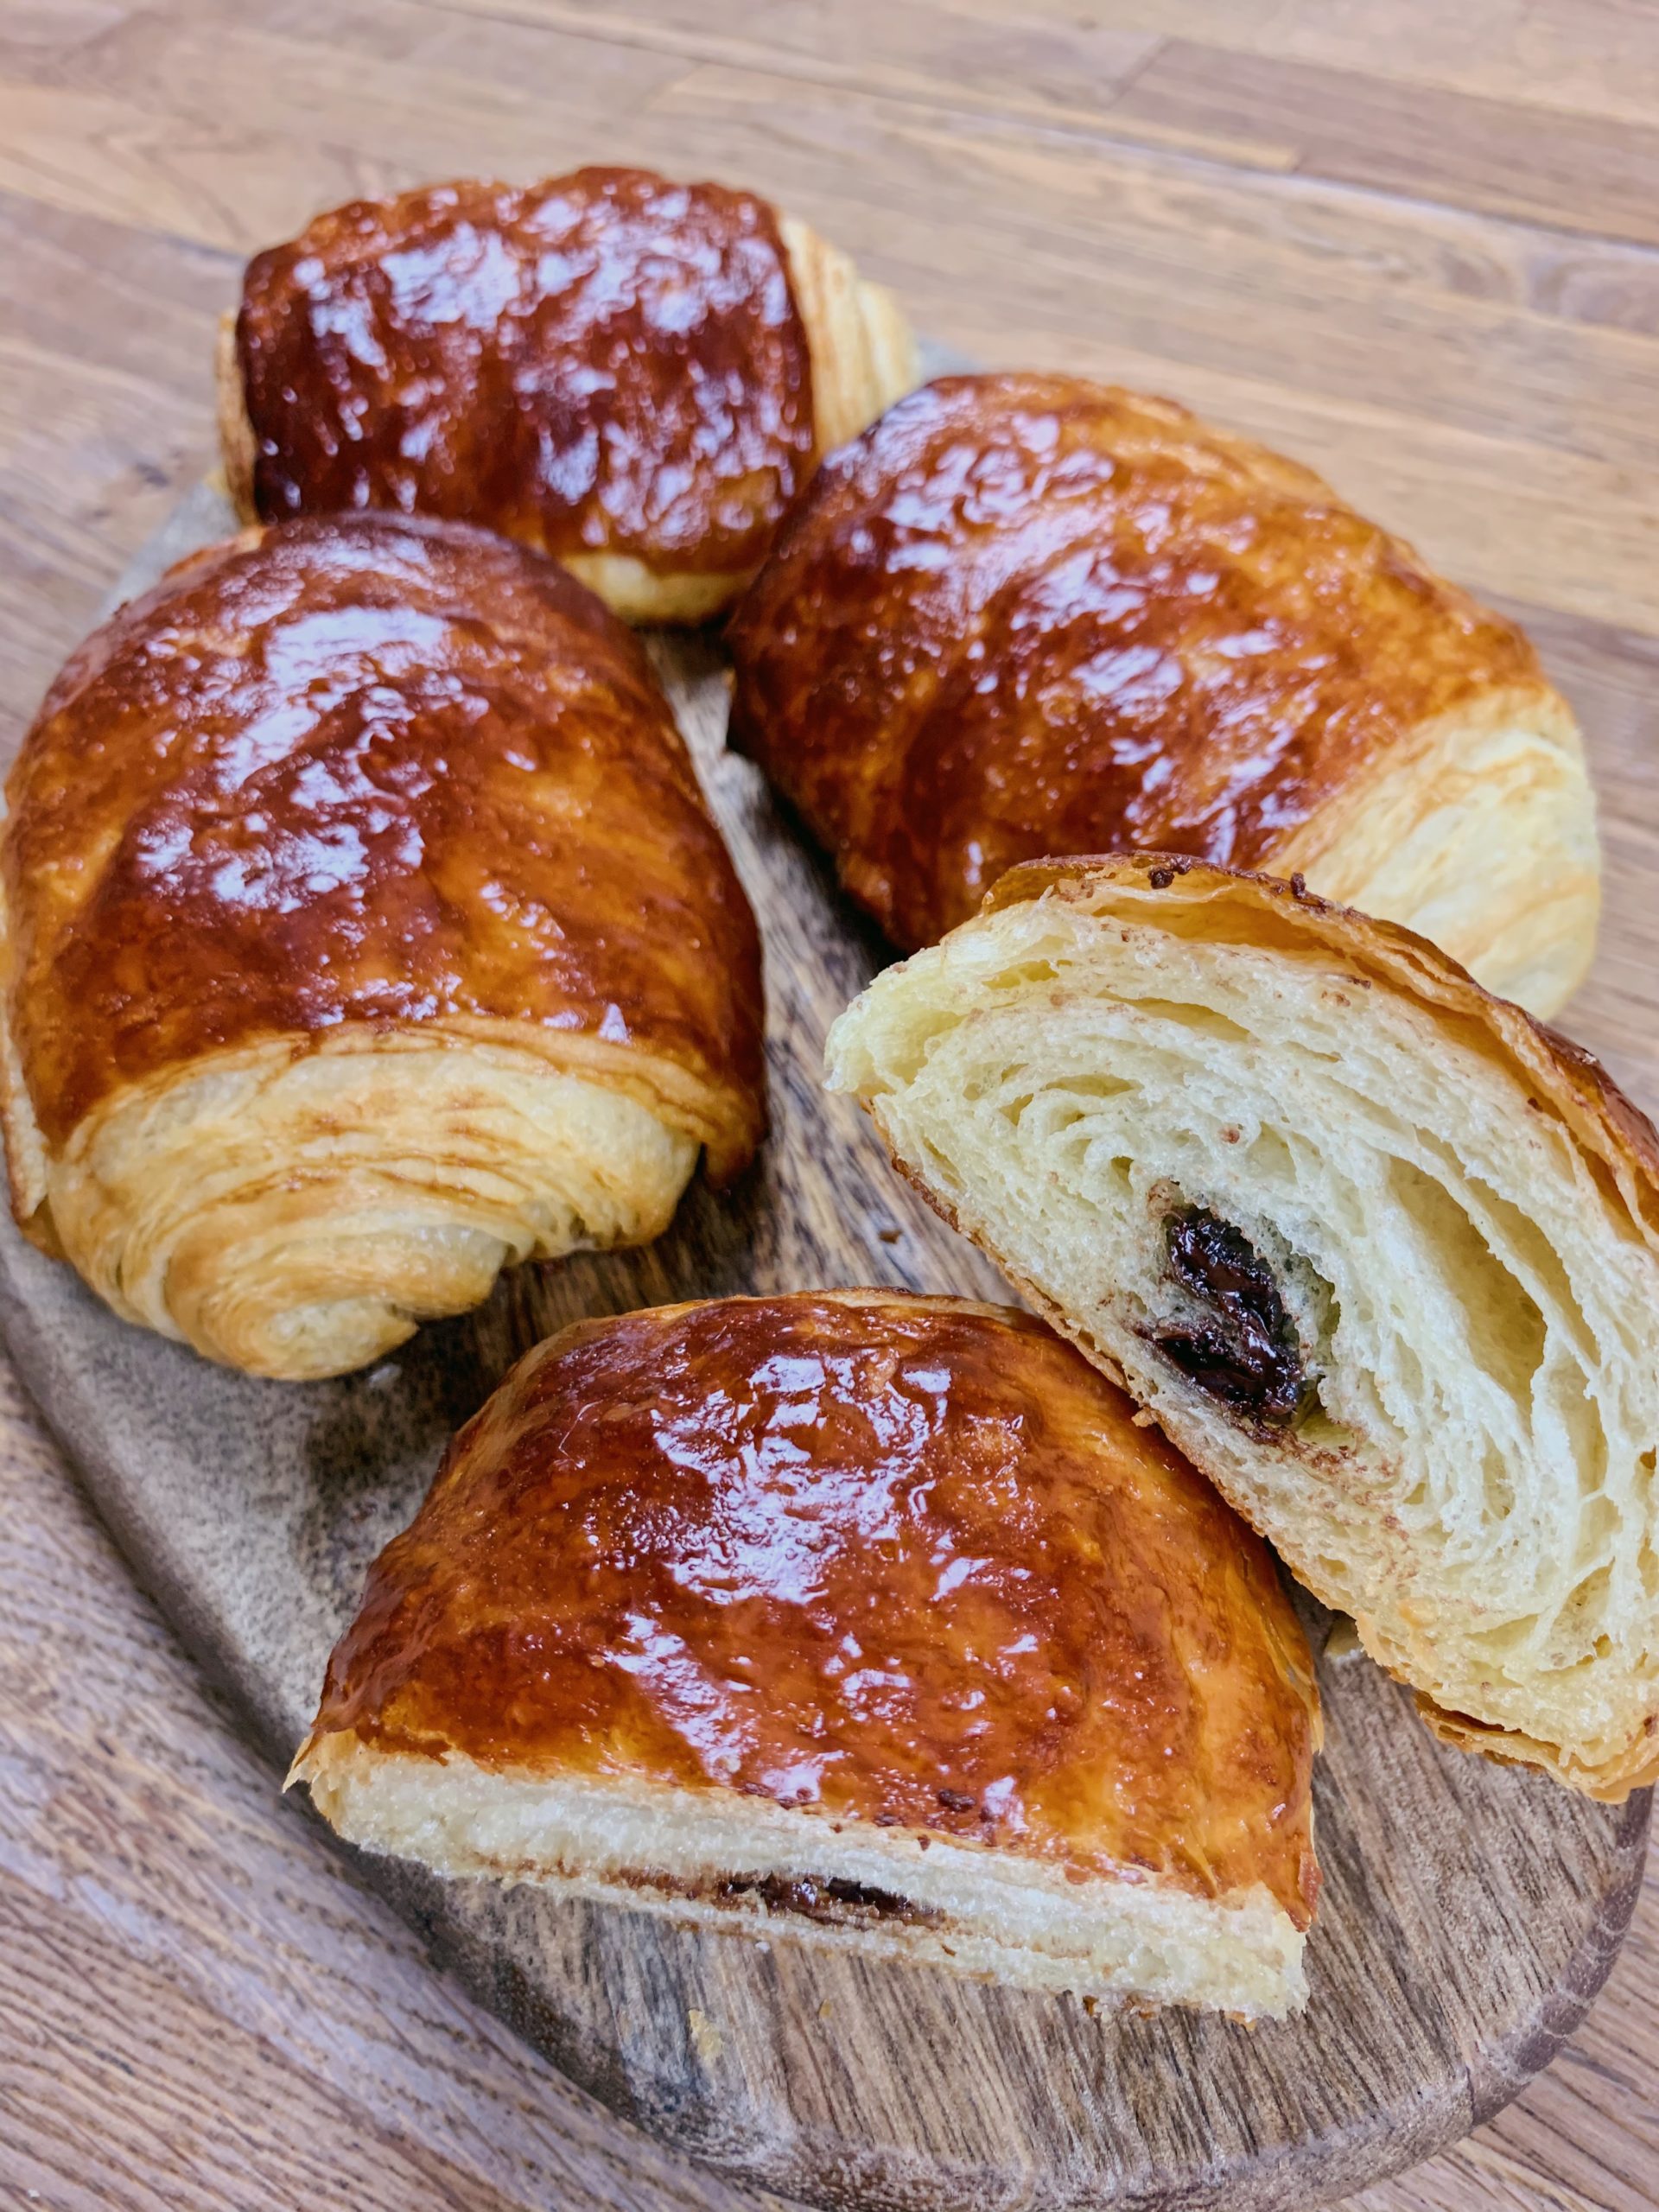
column 366, row 933
column 1028, row 615
column 1380, row 1253
column 634, row 376
column 853, row 1617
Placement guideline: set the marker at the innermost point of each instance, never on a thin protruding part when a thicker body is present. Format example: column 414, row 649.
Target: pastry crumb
column 1342, row 1641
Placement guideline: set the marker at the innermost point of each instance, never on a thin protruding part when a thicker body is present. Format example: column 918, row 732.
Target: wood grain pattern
column 1479, row 374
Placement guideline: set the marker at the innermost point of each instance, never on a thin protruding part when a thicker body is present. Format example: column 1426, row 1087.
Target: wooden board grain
column 1470, row 1912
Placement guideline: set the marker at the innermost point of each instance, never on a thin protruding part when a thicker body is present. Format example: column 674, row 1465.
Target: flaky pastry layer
column 716, row 1859
column 297, row 1212
column 1380, row 1253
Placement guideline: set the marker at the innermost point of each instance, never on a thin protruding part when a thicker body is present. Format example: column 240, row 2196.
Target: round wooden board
column 1470, row 1911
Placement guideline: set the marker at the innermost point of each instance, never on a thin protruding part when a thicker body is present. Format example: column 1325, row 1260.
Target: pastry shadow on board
column 1470, row 1912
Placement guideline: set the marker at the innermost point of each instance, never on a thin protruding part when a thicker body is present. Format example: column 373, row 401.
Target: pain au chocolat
column 853, row 1617
column 634, row 376
column 1379, row 1253
column 364, row 932
column 1027, row 615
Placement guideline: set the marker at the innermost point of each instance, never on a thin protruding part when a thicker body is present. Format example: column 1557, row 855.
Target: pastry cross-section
column 854, row 1617
column 1379, row 1252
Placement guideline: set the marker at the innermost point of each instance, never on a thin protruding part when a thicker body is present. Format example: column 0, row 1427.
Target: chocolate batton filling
column 815, row 1899
column 1245, row 1353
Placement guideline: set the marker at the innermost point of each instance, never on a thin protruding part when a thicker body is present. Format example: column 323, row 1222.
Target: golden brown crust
column 236, row 440
column 889, row 1559
column 1028, row 614
column 634, row 376
column 547, row 334
column 367, row 771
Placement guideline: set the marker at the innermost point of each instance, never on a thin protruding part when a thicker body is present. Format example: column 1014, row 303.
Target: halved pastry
column 1380, row 1253
column 365, row 932
column 1027, row 614
column 634, row 376
column 850, row 1617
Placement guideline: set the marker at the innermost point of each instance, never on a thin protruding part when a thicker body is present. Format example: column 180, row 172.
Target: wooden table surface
column 1416, row 244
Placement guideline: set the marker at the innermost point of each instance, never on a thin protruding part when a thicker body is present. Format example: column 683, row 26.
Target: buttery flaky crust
column 1379, row 1252
column 365, row 931
column 850, row 1617
column 645, row 417
column 1027, row 614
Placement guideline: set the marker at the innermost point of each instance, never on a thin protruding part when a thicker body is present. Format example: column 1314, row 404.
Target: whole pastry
column 851, row 1618
column 365, row 931
column 634, row 376
column 1027, row 615
column 1377, row 1252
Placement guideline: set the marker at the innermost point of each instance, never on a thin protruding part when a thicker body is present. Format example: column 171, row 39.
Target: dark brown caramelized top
column 604, row 362
column 1026, row 614
column 893, row 1559
column 366, row 769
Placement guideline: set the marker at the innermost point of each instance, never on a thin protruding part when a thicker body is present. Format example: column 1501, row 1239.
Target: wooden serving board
column 1470, row 1911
